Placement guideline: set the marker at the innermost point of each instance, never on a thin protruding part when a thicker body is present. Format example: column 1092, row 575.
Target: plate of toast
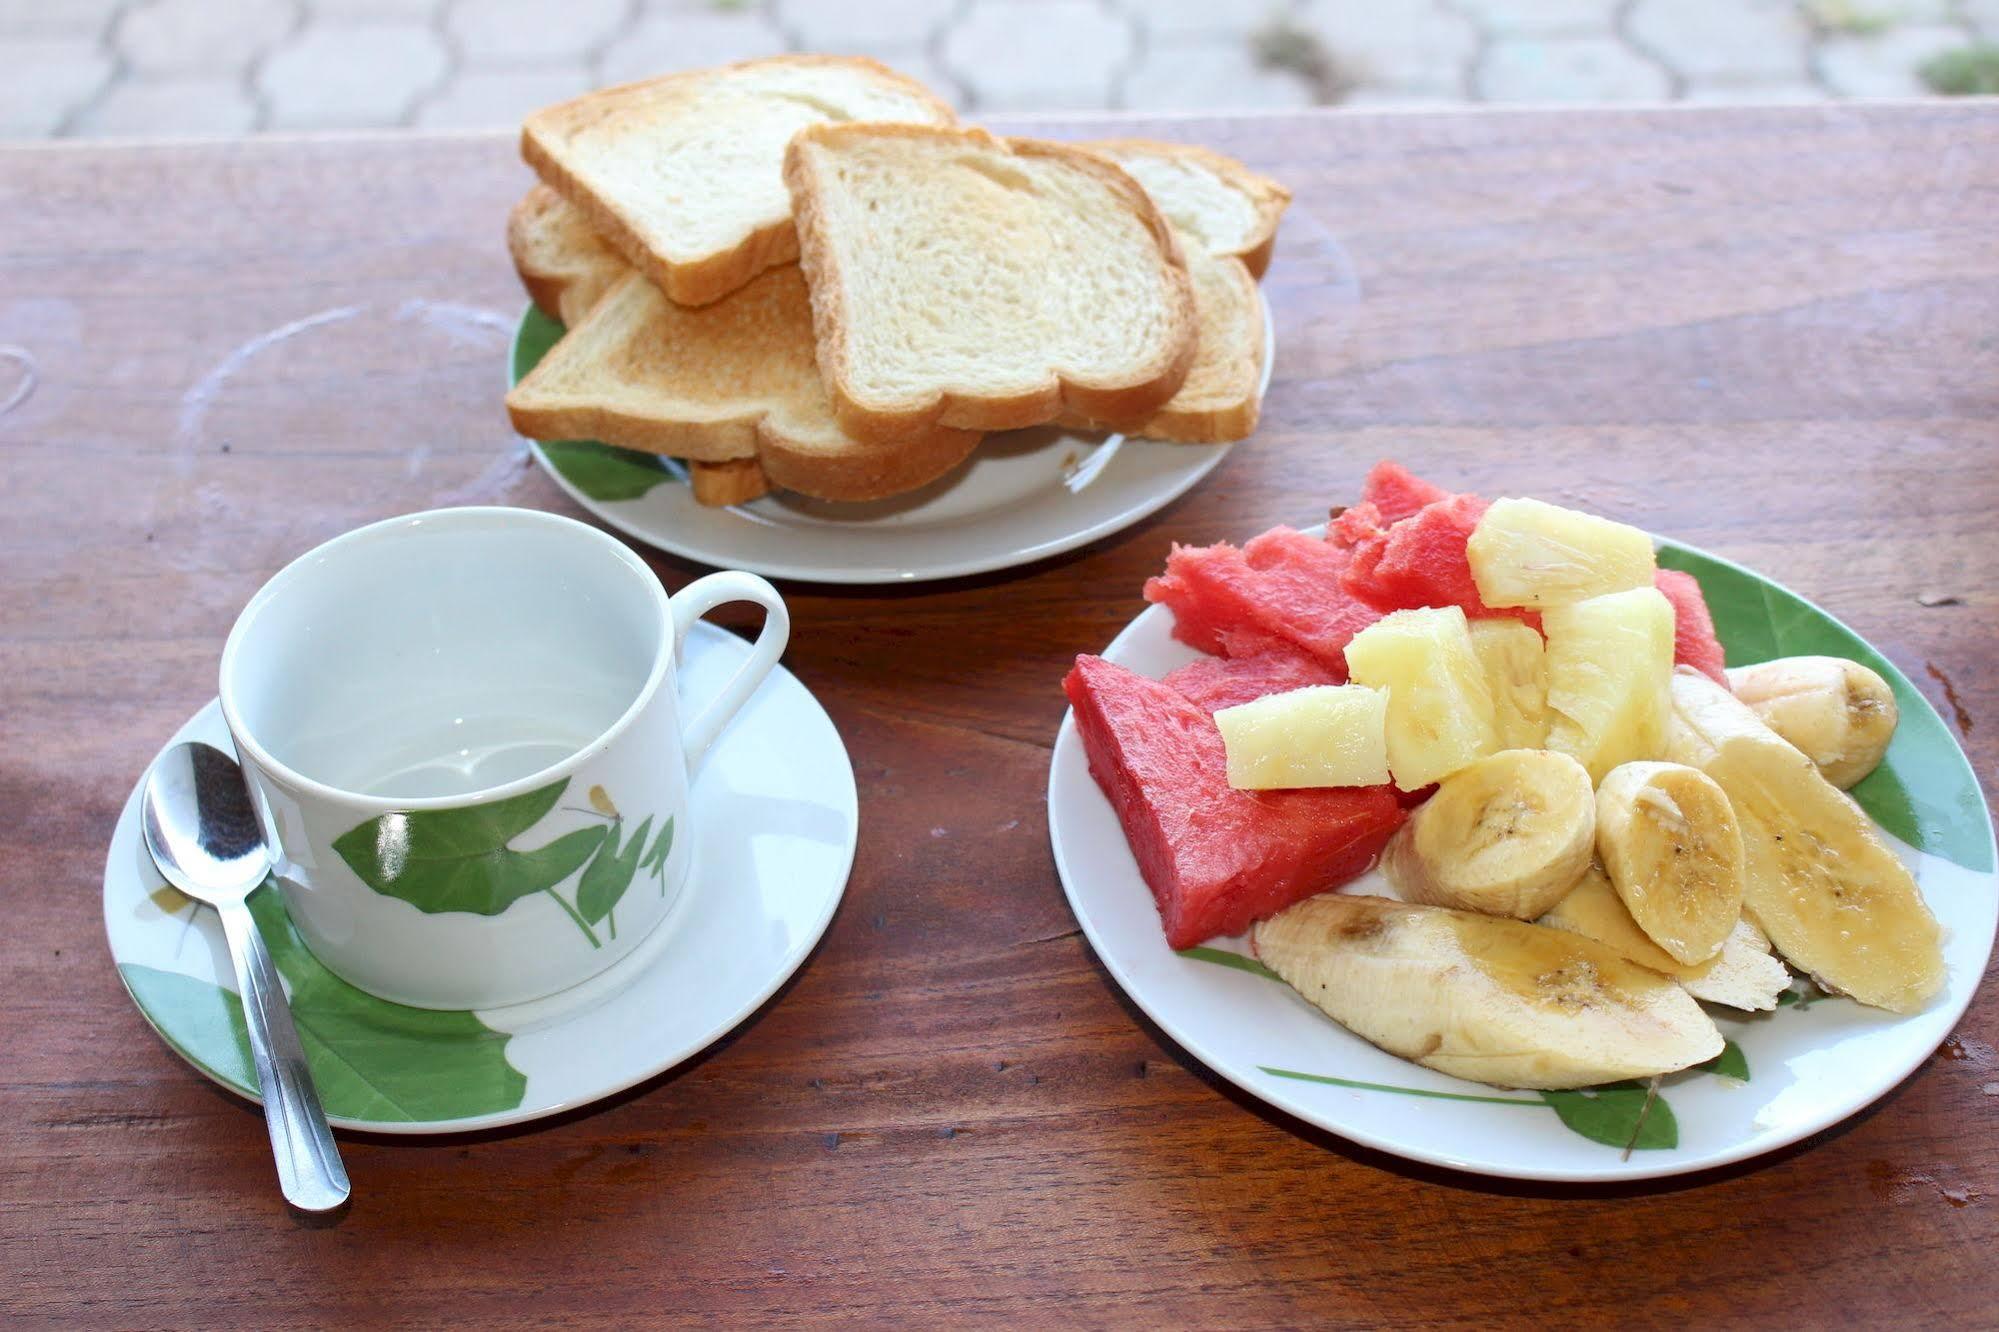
column 789, row 316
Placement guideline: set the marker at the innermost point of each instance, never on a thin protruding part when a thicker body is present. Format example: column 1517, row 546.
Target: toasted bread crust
column 1266, row 196
column 1119, row 403
column 721, row 484
column 713, row 276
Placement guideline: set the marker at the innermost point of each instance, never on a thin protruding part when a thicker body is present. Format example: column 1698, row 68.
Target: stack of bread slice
column 801, row 272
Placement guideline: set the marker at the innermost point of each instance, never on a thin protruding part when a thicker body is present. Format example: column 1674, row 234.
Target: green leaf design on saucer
column 371, row 1060
column 600, row 471
column 1617, row 1115
column 1924, row 791
column 458, row 859
column 1730, row 1063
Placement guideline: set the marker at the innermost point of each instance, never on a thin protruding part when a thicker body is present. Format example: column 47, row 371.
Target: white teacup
column 462, row 732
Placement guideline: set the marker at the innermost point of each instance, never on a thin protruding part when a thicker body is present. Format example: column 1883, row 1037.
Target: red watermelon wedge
column 1396, row 493
column 1421, row 561
column 1282, row 590
column 1694, row 641
column 1213, row 683
column 1217, row 859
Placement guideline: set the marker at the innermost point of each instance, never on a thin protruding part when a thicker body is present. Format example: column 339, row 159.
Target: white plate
column 775, row 819
column 1810, row 1067
column 1022, row 496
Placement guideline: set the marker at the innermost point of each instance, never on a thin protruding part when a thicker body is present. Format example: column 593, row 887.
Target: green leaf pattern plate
column 1784, row 1075
column 773, row 842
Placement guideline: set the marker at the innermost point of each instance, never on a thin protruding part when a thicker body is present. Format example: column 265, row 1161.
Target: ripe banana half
column 1509, row 836
column 1495, row 1001
column 1841, row 714
column 1745, row 975
column 1669, row 842
column 1829, row 893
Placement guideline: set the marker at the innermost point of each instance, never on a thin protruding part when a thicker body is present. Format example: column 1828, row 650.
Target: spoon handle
column 309, row 1169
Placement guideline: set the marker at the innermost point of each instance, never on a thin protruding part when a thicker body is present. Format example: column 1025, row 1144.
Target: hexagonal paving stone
column 1569, row 69
column 45, row 79
column 196, row 36
column 1724, row 39
column 521, row 30
column 1541, row 18
column 857, row 29
column 501, row 98
column 1885, row 65
column 1210, row 76
column 1038, row 55
column 1173, row 19
column 1405, row 46
column 201, row 104
column 362, row 76
column 55, row 18
column 664, row 43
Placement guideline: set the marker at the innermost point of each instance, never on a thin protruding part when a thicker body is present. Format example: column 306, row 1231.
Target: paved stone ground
column 209, row 67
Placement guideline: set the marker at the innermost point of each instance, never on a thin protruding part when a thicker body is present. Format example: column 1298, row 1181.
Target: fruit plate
column 1022, row 496
column 1784, row 1075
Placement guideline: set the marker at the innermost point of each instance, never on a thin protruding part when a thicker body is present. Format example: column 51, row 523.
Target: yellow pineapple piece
column 1324, row 735
column 1527, row 553
column 1610, row 671
column 1440, row 712
column 1516, row 672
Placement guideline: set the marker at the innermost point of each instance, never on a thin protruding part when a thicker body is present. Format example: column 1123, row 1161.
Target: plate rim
column 1615, row 1172
column 640, row 959
column 900, row 573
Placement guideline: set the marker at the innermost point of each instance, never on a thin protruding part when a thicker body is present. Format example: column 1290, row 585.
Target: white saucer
column 1802, row 1068
column 1023, row 495
column 774, row 815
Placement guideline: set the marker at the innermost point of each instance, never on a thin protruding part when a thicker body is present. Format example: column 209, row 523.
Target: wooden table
column 1774, row 333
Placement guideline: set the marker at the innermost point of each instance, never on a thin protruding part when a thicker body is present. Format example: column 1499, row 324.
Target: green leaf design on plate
column 370, row 1059
column 603, row 472
column 1391, row 1087
column 1924, row 791
column 458, row 859
column 1222, row 957
column 600, row 471
column 1730, row 1063
column 1612, row 1115
column 609, row 873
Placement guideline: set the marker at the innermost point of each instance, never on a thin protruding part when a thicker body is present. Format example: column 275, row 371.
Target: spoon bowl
column 200, row 826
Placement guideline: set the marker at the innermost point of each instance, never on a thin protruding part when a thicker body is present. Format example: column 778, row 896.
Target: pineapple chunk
column 1516, row 671
column 1439, row 707
column 1324, row 735
column 1526, row 553
column 1610, row 672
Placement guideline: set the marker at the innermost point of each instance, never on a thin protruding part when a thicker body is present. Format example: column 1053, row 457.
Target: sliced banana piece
column 1508, row 835
column 1744, row 975
column 1495, row 1001
column 1831, row 896
column 1669, row 841
column 1840, row 713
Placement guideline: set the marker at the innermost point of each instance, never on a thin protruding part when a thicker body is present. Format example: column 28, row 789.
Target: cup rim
column 496, row 514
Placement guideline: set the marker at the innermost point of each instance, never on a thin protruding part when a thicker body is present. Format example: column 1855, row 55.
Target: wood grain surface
column 1771, row 333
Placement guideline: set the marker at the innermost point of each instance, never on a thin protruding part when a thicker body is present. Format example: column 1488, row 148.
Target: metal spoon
column 204, row 836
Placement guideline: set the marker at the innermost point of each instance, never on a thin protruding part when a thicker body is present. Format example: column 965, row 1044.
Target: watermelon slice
column 1217, row 859
column 1396, row 493
column 1694, row 641
column 1282, row 590
column 1213, row 683
column 1421, row 561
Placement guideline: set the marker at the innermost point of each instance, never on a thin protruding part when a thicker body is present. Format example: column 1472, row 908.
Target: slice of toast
column 563, row 262
column 964, row 280
column 1212, row 200
column 683, row 174
column 730, row 382
column 1225, row 216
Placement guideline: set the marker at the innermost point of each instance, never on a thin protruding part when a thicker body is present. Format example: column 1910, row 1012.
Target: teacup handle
column 695, row 600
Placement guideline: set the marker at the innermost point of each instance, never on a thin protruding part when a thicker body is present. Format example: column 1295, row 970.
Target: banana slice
column 1508, row 836
column 1834, row 900
column 1840, row 713
column 1496, row 1001
column 1670, row 844
column 1745, row 975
